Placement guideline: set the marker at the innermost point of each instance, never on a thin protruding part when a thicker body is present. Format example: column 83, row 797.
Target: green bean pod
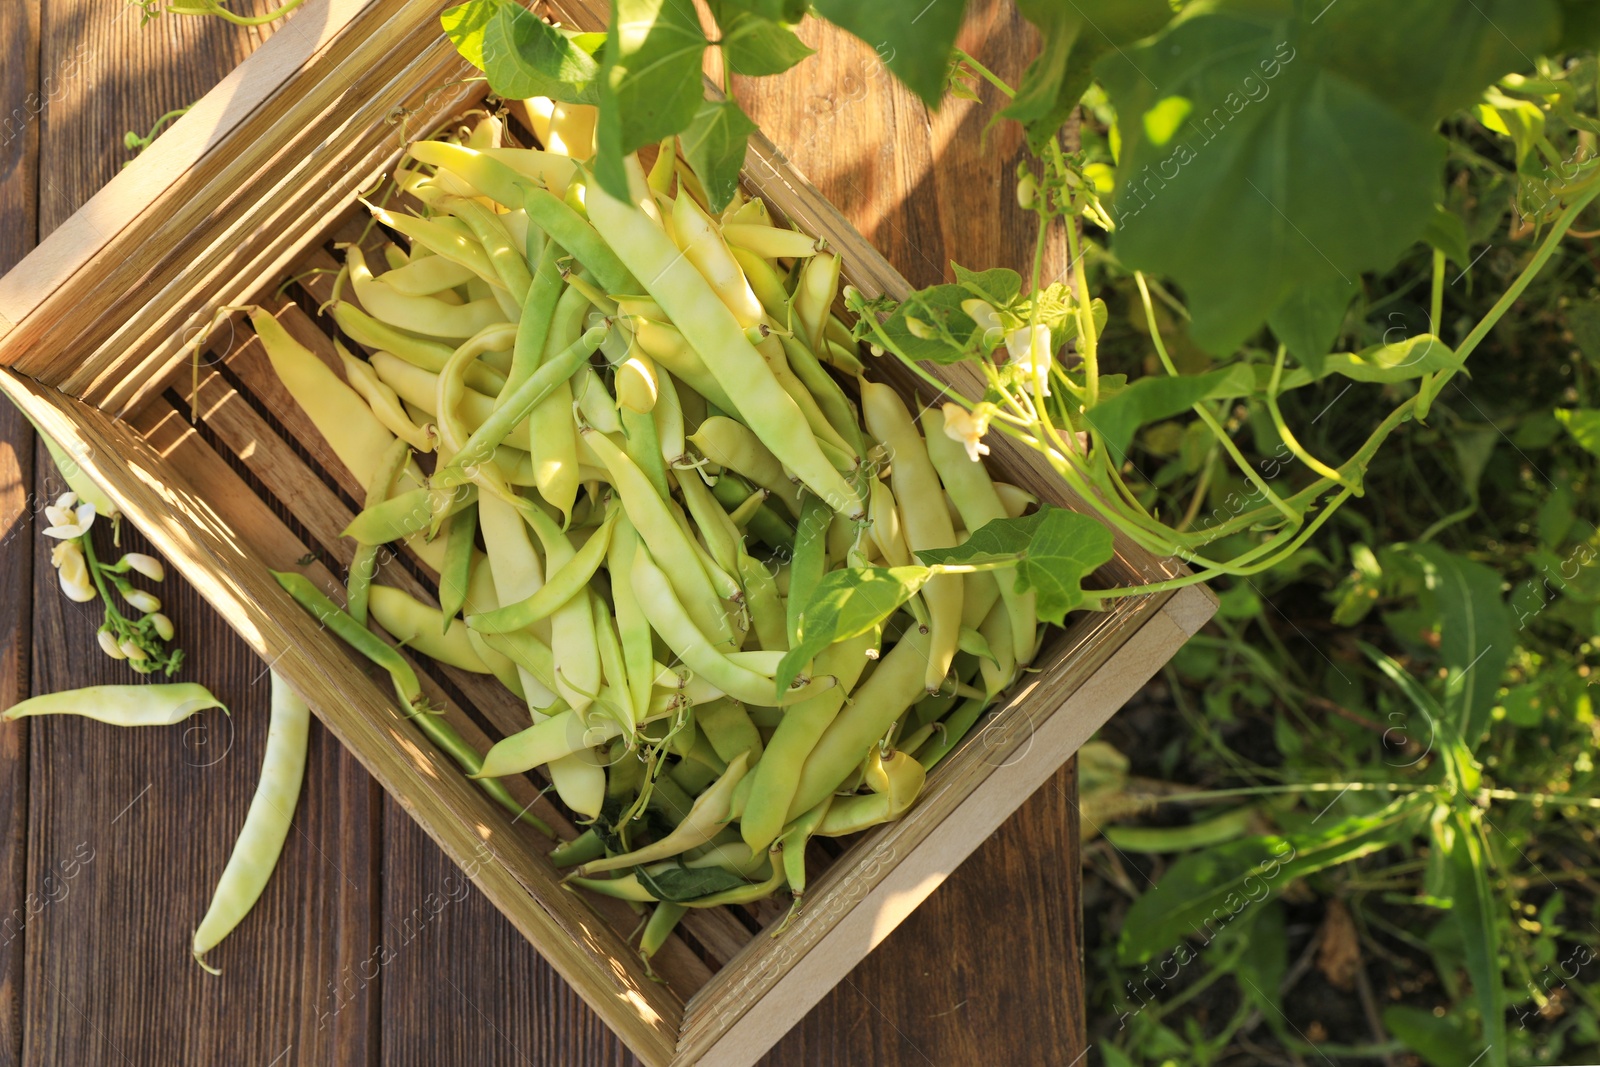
column 358, row 637
column 560, row 586
column 364, row 563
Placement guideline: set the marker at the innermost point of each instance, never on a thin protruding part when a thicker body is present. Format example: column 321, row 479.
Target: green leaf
column 1308, row 321
column 1584, row 426
column 464, row 26
column 714, row 144
column 1054, row 549
column 525, row 56
column 755, row 45
column 1397, row 361
column 1520, row 120
column 1441, row 1041
column 912, row 37
column 1203, row 893
column 1075, row 35
column 1265, row 960
column 998, row 285
column 1475, row 634
column 847, row 602
column 680, row 884
column 1448, row 234
column 1461, row 771
column 650, row 83
column 1155, row 398
column 1583, row 319
column 934, row 305
column 1291, row 144
column 1477, row 913
column 777, row 10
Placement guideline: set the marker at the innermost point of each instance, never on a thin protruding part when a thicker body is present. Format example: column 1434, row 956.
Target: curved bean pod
column 419, row 314
column 564, row 583
column 266, row 825
column 122, row 705
column 731, row 444
column 706, row 817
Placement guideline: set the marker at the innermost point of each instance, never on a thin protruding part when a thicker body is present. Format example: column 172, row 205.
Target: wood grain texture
column 19, row 174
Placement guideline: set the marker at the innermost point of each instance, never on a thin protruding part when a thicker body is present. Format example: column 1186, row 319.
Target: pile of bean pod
column 643, row 460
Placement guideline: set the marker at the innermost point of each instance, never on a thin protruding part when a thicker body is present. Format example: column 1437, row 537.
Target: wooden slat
column 19, row 168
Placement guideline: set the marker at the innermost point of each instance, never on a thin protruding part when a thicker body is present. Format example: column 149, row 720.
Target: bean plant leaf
column 1477, row 913
column 935, row 306
column 1206, row 891
column 1239, row 174
column 1584, row 426
column 1475, row 634
column 1054, row 548
column 1462, row 773
column 464, row 25
column 777, row 10
column 912, row 37
column 681, row 884
column 1448, row 234
column 1308, row 321
column 1153, row 399
column 521, row 54
column 1397, row 361
column 998, row 285
column 845, row 603
column 714, row 144
column 1441, row 1042
column 650, row 83
column 757, row 45
column 1075, row 35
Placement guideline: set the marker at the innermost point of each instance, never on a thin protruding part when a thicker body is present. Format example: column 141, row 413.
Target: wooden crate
column 254, row 186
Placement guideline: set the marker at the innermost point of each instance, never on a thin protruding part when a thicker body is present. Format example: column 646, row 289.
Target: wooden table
column 368, row 946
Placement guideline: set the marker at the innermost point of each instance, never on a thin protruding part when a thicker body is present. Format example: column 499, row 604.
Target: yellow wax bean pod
column 420, row 388
column 927, row 524
column 840, row 452
column 777, row 776
column 549, row 169
column 552, row 438
column 595, row 402
column 438, row 236
column 975, row 498
column 572, row 637
column 887, row 693
column 813, row 299
column 670, row 619
column 751, row 212
column 659, row 530
column 770, row 242
column 633, row 627
column 385, row 402
column 641, row 307
column 766, row 281
column 266, row 825
column 504, row 253
column 731, row 444
column 703, row 245
column 1014, row 498
column 555, row 738
column 422, row 627
column 396, row 257
column 636, row 383
column 711, row 329
column 419, row 314
column 417, row 351
column 886, row 528
column 727, row 726
column 706, row 817
column 664, row 344
column 364, row 561
column 895, row 782
column 162, row 704
column 721, row 536
column 1001, row 671
column 572, row 129
column 565, row 581
column 427, row 276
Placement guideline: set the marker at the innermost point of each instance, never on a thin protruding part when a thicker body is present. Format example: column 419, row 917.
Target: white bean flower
column 72, row 571
column 1029, row 348
column 67, row 521
column 988, row 319
column 148, row 566
column 968, row 427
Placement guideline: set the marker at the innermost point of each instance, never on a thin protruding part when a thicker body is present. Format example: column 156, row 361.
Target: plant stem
column 988, row 75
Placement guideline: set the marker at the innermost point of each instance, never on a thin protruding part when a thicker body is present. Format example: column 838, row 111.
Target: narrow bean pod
column 122, row 705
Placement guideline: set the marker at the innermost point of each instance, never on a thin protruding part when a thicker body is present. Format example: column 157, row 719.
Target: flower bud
column 132, row 651
column 162, row 624
column 67, row 500
column 1027, row 191
column 108, row 644
column 148, row 566
column 141, row 600
column 920, row 329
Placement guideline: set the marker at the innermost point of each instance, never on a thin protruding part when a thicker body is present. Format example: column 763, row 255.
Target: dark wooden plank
column 459, row 984
column 1002, row 935
column 19, row 155
column 129, row 830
